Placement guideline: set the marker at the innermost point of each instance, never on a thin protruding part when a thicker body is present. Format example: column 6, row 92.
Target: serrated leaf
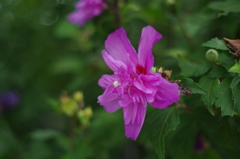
column 219, row 71
column 188, row 82
column 185, row 141
column 225, row 101
column 216, row 44
column 160, row 123
column 212, row 86
column 235, row 68
column 226, row 60
column 226, row 6
column 192, row 69
column 235, row 86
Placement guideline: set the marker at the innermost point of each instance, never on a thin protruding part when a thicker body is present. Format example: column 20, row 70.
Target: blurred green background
column 42, row 55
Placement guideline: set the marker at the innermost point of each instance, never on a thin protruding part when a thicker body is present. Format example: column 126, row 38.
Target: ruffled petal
column 109, row 100
column 148, row 38
column 140, row 86
column 119, row 46
column 111, row 62
column 107, row 80
column 167, row 94
column 125, row 101
column 153, row 79
column 134, row 115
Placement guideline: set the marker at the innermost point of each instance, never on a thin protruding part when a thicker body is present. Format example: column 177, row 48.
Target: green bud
column 78, row 96
column 212, row 55
column 84, row 115
column 153, row 70
column 69, row 108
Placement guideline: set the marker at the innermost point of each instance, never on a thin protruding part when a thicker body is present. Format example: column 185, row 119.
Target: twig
column 113, row 7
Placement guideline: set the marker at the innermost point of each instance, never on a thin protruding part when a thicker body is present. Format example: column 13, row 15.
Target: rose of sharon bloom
column 85, row 10
column 133, row 85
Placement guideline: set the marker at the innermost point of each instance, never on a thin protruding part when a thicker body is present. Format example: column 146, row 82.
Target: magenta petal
column 126, row 101
column 134, row 115
column 78, row 17
column 148, row 38
column 166, row 95
column 140, row 85
column 119, row 46
column 107, row 80
column 109, row 100
column 152, row 78
column 86, row 10
column 111, row 62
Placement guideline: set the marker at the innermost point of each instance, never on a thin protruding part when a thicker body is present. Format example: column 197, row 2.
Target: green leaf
column 235, row 86
column 64, row 29
column 44, row 134
column 212, row 86
column 222, row 132
column 216, row 44
column 226, row 60
column 188, row 82
column 226, row 6
column 185, row 141
column 192, row 69
column 219, row 71
column 235, row 68
column 225, row 101
column 159, row 124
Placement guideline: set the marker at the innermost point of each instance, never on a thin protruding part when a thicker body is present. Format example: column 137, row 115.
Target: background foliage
column 43, row 56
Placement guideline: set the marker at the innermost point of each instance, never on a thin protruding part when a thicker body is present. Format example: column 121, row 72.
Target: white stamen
column 116, row 84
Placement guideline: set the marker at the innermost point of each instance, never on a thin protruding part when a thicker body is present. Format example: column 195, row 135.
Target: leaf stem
column 114, row 9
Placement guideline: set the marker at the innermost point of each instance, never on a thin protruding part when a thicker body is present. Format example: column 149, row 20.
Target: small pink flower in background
column 9, row 100
column 133, row 85
column 86, row 10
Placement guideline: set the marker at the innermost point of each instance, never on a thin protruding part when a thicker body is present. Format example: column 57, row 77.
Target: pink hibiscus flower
column 133, row 85
column 86, row 10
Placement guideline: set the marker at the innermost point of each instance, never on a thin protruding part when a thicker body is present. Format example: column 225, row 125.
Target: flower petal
column 134, row 115
column 140, row 86
column 166, row 95
column 153, row 79
column 109, row 100
column 107, row 80
column 111, row 62
column 148, row 38
column 125, row 101
column 119, row 46
column 85, row 10
column 79, row 17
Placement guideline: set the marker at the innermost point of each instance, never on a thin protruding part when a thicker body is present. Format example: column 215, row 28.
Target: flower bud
column 212, row 55
column 153, row 70
column 69, row 108
column 78, row 96
column 85, row 115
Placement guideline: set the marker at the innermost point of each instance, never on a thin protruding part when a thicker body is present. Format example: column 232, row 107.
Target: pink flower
column 86, row 10
column 133, row 85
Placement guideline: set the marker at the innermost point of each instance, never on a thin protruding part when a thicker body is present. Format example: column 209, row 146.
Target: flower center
column 116, row 83
column 141, row 70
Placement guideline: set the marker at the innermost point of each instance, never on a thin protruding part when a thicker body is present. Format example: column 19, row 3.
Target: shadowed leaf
column 225, row 101
column 212, row 86
column 160, row 123
column 235, row 86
